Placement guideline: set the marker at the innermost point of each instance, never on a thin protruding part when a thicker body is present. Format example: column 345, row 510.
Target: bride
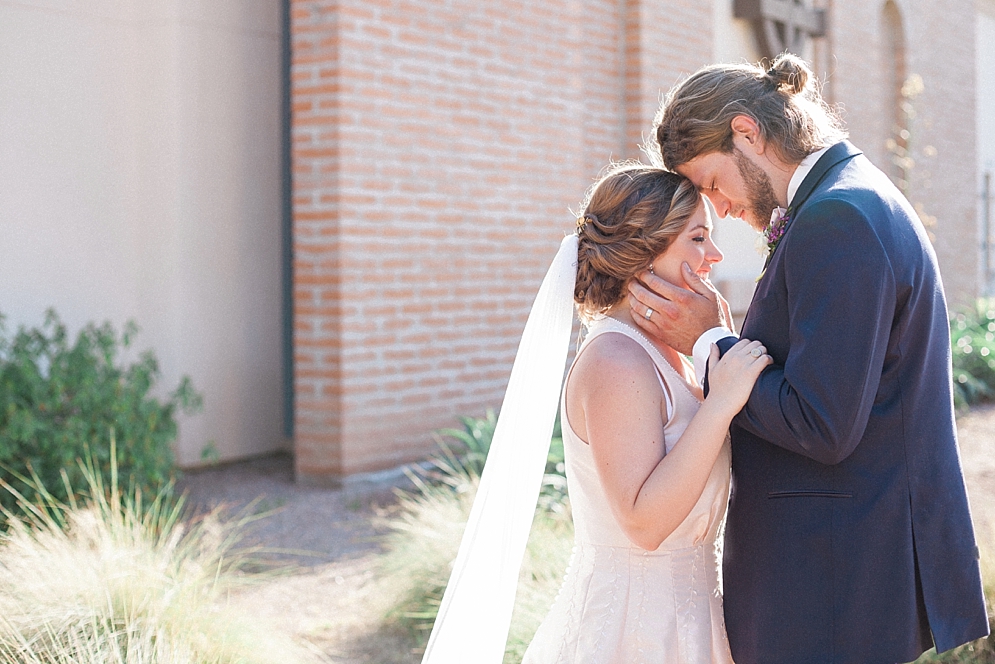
column 647, row 460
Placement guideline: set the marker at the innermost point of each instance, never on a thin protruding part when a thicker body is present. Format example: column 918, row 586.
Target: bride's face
column 693, row 246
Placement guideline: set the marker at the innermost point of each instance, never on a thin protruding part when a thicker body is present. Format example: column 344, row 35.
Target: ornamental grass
column 423, row 537
column 112, row 579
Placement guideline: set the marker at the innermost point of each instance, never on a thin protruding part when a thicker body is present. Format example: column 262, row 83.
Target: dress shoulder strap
column 604, row 325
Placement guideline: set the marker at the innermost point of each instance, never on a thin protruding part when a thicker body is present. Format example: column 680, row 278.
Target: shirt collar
column 803, row 169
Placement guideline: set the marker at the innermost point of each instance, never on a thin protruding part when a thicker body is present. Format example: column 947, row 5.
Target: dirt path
column 977, row 446
column 332, row 598
column 325, row 538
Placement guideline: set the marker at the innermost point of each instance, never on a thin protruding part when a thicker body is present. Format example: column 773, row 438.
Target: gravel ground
column 330, row 597
column 977, row 447
column 325, row 541
column 312, row 526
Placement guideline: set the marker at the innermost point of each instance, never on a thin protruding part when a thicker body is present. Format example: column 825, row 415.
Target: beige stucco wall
column 139, row 162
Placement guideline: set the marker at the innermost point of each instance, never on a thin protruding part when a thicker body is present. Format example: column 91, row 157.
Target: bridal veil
column 475, row 614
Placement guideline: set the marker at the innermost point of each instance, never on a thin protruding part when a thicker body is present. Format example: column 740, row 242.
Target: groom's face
column 734, row 184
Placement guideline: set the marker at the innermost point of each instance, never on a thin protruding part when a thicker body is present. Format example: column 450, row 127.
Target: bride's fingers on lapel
column 744, row 348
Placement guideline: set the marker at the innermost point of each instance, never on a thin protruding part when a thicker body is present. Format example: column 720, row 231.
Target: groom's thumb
column 696, row 283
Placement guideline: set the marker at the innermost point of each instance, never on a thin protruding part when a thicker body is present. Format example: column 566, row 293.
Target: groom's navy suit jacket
column 849, row 538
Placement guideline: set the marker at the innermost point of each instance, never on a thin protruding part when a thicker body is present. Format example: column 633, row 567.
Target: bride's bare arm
column 615, row 397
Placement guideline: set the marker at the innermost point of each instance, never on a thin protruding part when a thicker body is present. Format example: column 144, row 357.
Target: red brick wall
column 438, row 148
column 944, row 134
column 664, row 42
column 316, row 84
column 940, row 48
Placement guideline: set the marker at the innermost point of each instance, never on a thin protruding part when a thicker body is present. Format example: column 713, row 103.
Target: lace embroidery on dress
column 693, row 615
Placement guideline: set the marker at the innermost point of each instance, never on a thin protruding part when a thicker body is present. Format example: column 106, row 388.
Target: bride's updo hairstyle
column 784, row 100
column 630, row 216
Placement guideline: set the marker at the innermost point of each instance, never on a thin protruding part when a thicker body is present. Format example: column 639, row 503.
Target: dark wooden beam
column 781, row 25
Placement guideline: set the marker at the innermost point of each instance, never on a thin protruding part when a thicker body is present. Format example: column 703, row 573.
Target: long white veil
column 475, row 614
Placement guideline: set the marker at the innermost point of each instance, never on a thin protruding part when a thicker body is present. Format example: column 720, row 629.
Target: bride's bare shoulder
column 613, row 357
column 614, row 380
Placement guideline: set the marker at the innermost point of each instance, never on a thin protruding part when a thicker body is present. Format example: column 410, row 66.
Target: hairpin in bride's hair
column 583, row 219
column 581, row 222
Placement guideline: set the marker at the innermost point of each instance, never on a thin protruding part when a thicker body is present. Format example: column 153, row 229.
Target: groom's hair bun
column 789, row 74
column 784, row 99
column 630, row 216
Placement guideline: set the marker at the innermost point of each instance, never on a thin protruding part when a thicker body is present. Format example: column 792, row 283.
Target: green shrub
column 61, row 401
column 972, row 334
column 473, row 441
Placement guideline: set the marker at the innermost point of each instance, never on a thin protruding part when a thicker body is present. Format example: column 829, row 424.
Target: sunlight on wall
column 139, row 155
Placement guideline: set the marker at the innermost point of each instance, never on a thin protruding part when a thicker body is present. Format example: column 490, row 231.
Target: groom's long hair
column 784, row 100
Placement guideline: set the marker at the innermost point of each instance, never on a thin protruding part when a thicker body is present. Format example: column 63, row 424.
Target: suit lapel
column 837, row 154
column 840, row 152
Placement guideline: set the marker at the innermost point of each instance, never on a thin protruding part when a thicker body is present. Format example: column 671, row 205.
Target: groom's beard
column 762, row 199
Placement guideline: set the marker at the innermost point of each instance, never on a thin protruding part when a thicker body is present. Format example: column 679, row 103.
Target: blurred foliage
column 972, row 336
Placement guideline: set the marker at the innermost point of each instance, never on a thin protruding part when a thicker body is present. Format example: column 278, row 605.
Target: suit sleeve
column 841, row 297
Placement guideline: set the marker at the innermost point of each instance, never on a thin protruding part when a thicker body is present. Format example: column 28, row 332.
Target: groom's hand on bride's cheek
column 677, row 316
column 705, row 288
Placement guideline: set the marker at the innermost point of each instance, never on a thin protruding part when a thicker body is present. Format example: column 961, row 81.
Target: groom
column 849, row 538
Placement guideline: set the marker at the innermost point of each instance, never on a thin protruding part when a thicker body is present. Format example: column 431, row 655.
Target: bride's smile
column 693, row 246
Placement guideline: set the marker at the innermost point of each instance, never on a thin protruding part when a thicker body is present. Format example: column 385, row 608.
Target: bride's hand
column 731, row 379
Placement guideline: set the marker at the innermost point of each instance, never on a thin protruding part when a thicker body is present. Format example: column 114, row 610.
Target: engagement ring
column 648, row 314
column 756, row 352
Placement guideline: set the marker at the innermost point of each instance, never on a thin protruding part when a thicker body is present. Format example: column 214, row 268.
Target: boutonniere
column 770, row 237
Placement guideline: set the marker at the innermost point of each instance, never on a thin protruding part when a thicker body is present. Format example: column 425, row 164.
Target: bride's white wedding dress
column 620, row 604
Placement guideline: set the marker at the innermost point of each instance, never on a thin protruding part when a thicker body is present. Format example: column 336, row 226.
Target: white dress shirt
column 703, row 345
